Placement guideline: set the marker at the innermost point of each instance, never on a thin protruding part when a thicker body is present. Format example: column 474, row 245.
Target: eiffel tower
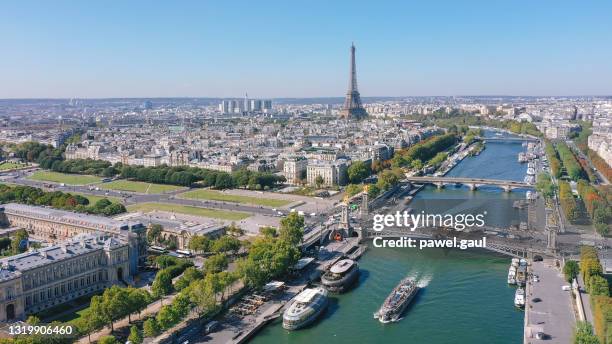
column 352, row 104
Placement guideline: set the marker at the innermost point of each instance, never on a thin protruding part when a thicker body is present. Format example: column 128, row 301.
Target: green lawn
column 140, row 187
column 70, row 179
column 94, row 198
column 189, row 210
column 220, row 196
column 10, row 165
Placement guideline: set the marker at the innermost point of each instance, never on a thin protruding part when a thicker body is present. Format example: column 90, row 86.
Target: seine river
column 465, row 298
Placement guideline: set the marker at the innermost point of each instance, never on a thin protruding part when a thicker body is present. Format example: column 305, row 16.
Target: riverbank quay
column 239, row 328
column 549, row 308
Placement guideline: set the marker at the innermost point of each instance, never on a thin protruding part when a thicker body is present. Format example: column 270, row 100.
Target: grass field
column 220, row 196
column 10, row 165
column 189, row 210
column 141, row 187
column 70, row 179
column 94, row 198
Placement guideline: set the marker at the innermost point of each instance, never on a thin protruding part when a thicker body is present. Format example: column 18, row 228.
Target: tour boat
column 340, row 276
column 307, row 306
column 395, row 304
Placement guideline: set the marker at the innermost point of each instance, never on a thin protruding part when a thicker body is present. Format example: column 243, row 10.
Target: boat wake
column 424, row 281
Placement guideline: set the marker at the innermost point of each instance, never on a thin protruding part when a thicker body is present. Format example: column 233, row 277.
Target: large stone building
column 56, row 226
column 33, row 281
column 294, row 169
column 332, row 173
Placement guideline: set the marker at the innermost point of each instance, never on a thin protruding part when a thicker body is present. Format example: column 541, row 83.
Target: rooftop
column 67, row 217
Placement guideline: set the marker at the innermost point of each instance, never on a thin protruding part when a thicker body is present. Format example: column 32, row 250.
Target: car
column 536, row 300
column 566, row 288
column 211, row 327
column 537, row 258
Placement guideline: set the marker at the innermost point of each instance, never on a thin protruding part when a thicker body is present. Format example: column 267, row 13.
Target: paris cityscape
column 267, row 204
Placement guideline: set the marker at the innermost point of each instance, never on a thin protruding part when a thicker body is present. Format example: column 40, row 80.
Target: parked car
column 211, row 327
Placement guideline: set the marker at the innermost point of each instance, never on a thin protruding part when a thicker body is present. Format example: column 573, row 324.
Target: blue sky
column 300, row 49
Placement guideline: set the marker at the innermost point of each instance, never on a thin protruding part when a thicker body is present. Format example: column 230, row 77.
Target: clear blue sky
column 300, row 48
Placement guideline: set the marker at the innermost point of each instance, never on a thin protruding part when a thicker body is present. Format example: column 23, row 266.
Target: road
column 602, row 179
column 133, row 198
column 554, row 313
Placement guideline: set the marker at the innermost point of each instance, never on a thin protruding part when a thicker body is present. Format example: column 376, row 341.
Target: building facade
column 56, row 226
column 34, row 281
column 294, row 169
column 332, row 173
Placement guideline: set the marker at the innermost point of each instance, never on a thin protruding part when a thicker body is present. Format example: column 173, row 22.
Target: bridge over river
column 472, row 183
column 507, row 139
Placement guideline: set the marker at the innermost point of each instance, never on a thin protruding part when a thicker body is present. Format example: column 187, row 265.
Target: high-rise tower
column 352, row 104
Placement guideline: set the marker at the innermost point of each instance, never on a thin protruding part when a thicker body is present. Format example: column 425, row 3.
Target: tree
column 135, row 337
column 358, row 171
column 138, row 300
column 268, row 231
column 416, row 164
column 115, row 304
column 154, row 233
column 584, row 334
column 33, row 320
column 166, row 317
column 598, row 285
column 162, row 285
column 91, row 320
column 373, row 191
column 216, row 263
column 108, row 340
column 571, row 270
column 234, row 230
column 292, row 228
column 199, row 243
column 319, row 181
column 165, row 261
column 20, row 241
column 226, row 244
column 202, row 297
column 150, row 328
column 191, row 274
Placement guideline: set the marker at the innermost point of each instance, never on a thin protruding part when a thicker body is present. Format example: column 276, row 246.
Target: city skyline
column 77, row 50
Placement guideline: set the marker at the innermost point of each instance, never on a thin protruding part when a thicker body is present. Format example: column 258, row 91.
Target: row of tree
column 35, row 152
column 79, row 166
column 601, row 165
column 545, row 186
column 553, row 159
column 568, row 202
column 59, row 200
column 205, row 245
column 597, row 205
column 187, row 176
column 592, row 272
column 423, row 151
column 114, row 304
column 571, row 164
column 596, row 285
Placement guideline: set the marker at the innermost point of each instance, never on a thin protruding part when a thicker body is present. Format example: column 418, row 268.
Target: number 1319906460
column 51, row 330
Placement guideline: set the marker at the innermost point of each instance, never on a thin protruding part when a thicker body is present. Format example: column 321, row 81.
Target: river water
column 465, row 297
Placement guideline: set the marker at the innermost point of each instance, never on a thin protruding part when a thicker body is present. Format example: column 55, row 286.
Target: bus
column 185, row 253
column 157, row 249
